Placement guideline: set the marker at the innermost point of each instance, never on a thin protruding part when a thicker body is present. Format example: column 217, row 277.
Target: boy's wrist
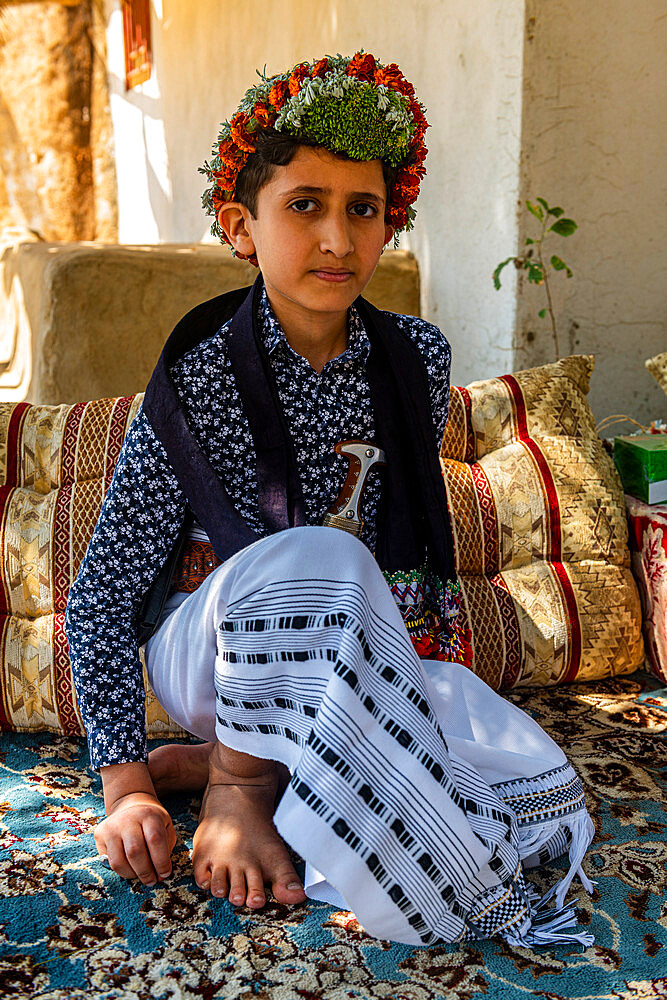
column 120, row 780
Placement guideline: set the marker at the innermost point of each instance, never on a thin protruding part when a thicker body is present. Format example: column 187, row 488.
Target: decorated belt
column 198, row 560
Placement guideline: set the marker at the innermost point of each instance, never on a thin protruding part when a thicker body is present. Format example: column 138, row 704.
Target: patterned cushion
column 658, row 369
column 538, row 516
column 648, row 543
column 540, row 530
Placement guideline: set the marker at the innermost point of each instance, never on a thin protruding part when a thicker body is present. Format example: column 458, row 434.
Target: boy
column 414, row 790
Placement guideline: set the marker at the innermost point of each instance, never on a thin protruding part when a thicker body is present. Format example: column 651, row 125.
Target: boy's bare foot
column 178, row 767
column 237, row 849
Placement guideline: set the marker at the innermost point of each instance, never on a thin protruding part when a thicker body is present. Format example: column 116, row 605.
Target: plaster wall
column 594, row 141
column 464, row 57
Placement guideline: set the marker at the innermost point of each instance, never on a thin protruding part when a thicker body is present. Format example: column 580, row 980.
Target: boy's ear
column 388, row 234
column 232, row 217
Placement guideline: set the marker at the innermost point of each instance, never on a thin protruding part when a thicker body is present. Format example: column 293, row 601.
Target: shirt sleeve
column 141, row 516
column 437, row 354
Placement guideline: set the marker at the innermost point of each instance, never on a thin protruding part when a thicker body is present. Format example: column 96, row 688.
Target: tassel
column 581, row 828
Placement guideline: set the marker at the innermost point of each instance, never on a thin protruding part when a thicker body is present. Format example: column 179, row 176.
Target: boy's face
column 318, row 233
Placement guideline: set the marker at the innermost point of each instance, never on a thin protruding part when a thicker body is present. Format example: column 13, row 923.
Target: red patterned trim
column 61, row 547
column 5, row 496
column 65, row 697
column 13, row 436
column 5, row 721
column 70, row 440
column 573, row 619
column 489, row 516
column 554, row 550
column 470, row 435
column 511, row 632
column 117, row 430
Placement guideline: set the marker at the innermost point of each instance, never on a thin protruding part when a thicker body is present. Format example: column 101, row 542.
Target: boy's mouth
column 331, row 274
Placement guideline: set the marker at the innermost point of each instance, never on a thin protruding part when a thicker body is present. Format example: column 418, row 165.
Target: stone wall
column 57, row 173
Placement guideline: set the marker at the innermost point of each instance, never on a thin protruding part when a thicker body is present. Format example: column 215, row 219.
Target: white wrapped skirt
column 418, row 796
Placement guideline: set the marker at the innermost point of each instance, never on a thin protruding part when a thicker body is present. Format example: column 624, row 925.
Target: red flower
column 418, row 117
column 362, row 67
column 298, row 75
column 278, row 94
column 392, row 77
column 397, row 216
column 241, row 133
column 320, row 68
column 406, row 187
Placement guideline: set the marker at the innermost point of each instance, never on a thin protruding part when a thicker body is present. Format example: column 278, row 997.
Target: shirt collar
column 358, row 344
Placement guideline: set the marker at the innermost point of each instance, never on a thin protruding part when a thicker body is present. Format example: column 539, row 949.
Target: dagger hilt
column 363, row 457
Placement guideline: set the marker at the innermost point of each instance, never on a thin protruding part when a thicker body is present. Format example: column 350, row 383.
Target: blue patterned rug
column 70, row 928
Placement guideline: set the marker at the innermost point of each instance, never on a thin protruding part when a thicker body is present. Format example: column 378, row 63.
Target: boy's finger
column 138, row 856
column 156, row 837
column 117, row 860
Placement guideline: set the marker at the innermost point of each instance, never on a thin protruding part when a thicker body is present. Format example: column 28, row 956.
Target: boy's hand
column 137, row 835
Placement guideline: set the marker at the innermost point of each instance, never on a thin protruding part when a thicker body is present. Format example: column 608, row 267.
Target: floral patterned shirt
column 144, row 508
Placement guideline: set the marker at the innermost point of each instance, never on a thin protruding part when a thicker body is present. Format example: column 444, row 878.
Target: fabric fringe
column 551, row 925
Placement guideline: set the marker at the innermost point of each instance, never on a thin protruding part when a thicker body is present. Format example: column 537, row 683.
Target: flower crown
column 356, row 106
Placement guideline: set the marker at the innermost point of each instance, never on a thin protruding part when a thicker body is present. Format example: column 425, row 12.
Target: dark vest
column 412, row 520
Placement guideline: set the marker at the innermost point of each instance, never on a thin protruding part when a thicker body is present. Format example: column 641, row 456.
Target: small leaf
column 557, row 263
column 556, row 212
column 535, row 274
column 568, row 271
column 564, row 227
column 496, row 273
column 544, row 204
column 542, row 313
column 537, row 212
column 529, row 241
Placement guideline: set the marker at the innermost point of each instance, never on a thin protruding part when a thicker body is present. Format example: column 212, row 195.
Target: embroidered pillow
column 538, row 518
column 540, row 530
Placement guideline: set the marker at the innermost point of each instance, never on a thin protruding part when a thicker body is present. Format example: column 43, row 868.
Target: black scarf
column 413, row 519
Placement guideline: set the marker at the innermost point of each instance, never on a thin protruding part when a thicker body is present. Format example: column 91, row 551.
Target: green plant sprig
column 532, row 259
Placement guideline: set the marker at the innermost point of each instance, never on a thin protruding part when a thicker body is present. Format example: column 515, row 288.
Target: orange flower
column 241, row 133
column 278, row 94
column 362, row 67
column 230, row 154
column 392, row 77
column 226, row 177
column 263, row 115
column 320, row 67
column 299, row 74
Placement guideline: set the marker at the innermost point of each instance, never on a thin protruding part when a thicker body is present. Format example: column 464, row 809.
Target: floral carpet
column 70, row 928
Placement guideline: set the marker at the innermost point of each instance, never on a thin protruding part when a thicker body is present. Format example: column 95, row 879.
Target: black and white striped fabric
column 417, row 795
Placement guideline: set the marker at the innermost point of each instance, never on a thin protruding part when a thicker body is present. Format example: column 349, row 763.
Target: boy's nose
column 335, row 236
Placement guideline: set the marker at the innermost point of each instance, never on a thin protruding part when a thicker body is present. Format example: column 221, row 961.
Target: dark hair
column 277, row 149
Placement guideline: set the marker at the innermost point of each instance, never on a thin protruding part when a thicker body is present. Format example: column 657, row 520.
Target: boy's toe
column 256, row 896
column 237, row 888
column 202, row 874
column 219, row 883
column 287, row 886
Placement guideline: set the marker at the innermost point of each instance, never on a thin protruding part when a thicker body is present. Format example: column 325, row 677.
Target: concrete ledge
column 82, row 321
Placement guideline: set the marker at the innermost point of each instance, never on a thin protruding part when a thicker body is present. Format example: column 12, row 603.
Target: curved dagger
column 363, row 456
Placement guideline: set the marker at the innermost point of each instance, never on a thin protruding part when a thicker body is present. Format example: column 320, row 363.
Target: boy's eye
column 364, row 210
column 302, row 205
